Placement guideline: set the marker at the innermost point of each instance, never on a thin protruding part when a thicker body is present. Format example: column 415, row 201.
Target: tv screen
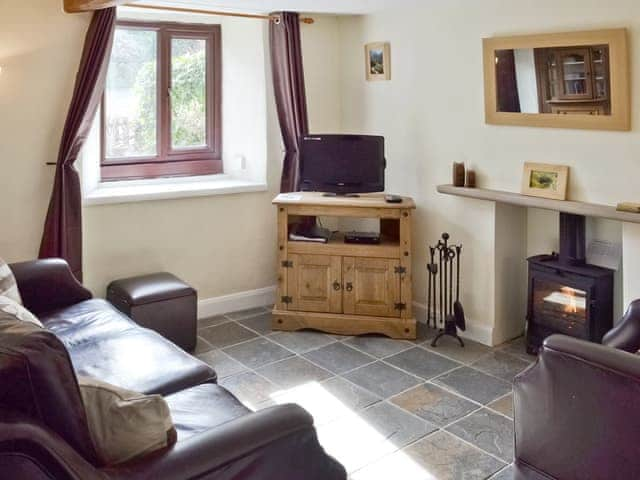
column 342, row 164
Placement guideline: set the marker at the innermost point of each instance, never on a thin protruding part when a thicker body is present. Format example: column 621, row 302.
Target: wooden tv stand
column 341, row 288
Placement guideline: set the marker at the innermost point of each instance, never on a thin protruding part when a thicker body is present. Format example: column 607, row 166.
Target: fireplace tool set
column 442, row 308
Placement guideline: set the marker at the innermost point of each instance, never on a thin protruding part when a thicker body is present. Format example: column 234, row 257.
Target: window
column 161, row 114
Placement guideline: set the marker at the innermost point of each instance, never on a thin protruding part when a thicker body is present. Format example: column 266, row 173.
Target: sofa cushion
column 8, row 285
column 38, row 381
column 140, row 360
column 17, row 311
column 105, row 344
column 198, row 409
column 86, row 321
column 125, row 424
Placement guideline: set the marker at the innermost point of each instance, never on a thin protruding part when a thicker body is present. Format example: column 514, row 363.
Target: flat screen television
column 342, row 164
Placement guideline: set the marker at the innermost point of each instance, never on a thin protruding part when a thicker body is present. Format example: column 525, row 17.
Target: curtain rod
column 273, row 17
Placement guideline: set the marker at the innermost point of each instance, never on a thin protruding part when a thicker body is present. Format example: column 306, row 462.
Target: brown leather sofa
column 43, row 429
column 576, row 411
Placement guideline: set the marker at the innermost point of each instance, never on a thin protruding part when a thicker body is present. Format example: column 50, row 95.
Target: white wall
column 321, row 61
column 631, row 263
column 510, row 246
column 432, row 114
column 39, row 52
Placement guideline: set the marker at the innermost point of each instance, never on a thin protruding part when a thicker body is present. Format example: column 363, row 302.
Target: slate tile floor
column 384, row 408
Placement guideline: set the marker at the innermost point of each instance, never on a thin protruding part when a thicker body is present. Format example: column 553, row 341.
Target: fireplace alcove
column 574, row 298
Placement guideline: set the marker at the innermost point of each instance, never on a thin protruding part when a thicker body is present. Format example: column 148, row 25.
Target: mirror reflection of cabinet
column 574, row 80
column 575, row 73
column 600, row 71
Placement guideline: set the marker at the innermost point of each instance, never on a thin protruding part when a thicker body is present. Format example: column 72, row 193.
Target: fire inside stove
column 560, row 307
column 570, row 300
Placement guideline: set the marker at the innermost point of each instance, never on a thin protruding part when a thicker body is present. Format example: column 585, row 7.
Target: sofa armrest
column 277, row 443
column 47, row 285
column 30, row 450
column 626, row 334
column 575, row 407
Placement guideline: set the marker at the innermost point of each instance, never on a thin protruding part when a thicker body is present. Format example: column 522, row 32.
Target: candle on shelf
column 458, row 174
column 471, row 179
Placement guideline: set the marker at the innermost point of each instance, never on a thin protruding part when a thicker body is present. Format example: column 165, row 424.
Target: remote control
column 393, row 198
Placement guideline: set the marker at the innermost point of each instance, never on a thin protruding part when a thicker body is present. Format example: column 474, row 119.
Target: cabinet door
column 575, row 73
column 315, row 283
column 600, row 71
column 371, row 286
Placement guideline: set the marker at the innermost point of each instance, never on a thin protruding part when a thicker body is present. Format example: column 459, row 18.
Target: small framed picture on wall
column 378, row 61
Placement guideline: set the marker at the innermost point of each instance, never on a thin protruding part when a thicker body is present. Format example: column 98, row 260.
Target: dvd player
column 368, row 238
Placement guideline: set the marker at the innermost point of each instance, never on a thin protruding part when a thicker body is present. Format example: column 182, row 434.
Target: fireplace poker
column 440, row 279
column 445, row 256
column 429, row 280
column 447, row 280
column 432, row 271
column 458, row 253
column 451, row 258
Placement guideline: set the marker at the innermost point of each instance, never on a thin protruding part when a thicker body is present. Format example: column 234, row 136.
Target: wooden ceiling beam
column 77, row 6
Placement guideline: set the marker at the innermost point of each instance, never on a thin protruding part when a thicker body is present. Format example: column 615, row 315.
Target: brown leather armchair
column 43, row 428
column 576, row 410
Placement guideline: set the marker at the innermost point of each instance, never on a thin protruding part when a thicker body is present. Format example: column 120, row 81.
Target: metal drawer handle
column 336, row 286
column 349, row 287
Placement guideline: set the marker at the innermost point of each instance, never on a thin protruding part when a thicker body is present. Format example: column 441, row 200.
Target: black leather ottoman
column 160, row 302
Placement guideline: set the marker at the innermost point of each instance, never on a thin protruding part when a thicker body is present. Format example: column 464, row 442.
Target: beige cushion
column 11, row 326
column 125, row 424
column 12, row 308
column 8, row 285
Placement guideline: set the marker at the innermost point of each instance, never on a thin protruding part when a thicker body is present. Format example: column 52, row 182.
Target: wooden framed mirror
column 559, row 80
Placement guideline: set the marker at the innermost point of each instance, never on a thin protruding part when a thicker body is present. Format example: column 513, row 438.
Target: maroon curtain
column 291, row 99
column 506, row 82
column 62, row 235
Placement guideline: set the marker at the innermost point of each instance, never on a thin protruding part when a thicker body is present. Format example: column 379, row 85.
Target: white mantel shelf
column 567, row 206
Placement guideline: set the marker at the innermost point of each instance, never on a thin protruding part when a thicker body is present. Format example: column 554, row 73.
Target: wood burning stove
column 567, row 295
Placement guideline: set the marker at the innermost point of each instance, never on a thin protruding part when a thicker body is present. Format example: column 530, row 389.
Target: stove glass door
column 560, row 307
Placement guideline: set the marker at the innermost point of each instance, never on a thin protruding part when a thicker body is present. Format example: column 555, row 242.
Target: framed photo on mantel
column 545, row 180
column 378, row 61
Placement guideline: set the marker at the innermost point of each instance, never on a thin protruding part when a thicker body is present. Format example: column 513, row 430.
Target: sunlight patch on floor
column 315, row 399
column 396, row 466
column 350, row 438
